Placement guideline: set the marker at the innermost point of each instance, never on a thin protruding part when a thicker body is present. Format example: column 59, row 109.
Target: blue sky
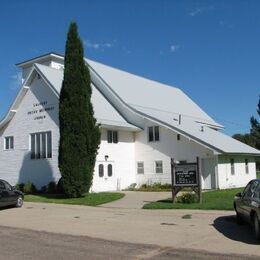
column 209, row 49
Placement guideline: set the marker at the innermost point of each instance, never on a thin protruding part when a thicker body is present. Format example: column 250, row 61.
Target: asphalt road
column 213, row 231
column 27, row 244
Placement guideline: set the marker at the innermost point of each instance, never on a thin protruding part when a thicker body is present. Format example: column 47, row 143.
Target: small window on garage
column 9, row 143
column 158, row 167
column 246, row 166
column 232, row 164
column 140, row 167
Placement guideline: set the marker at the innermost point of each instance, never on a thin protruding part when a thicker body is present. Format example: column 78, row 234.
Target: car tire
column 256, row 227
column 19, row 202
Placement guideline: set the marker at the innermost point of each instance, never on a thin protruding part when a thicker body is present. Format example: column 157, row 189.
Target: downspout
column 216, row 173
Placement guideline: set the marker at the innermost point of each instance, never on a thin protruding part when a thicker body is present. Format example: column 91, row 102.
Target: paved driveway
column 136, row 199
column 214, row 231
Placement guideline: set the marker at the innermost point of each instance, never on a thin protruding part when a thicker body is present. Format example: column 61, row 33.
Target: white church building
column 143, row 123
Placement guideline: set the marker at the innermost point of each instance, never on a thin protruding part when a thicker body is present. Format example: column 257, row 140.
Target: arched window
column 101, row 170
column 109, row 170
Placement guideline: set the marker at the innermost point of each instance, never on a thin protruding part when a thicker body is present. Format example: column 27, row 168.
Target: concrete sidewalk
column 136, row 199
column 213, row 231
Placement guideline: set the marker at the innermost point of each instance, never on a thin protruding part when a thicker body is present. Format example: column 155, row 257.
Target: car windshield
column 250, row 189
column 257, row 192
column 8, row 186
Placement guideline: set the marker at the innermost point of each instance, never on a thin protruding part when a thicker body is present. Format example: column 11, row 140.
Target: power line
column 197, row 118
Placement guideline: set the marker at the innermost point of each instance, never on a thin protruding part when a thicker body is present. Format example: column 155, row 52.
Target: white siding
column 121, row 154
column 240, row 178
column 168, row 147
column 16, row 165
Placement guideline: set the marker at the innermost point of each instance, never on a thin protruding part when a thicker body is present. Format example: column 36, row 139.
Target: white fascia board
column 13, row 108
column 244, row 154
column 46, row 80
column 44, row 57
column 122, row 128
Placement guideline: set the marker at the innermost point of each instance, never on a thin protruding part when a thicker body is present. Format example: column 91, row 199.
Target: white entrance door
column 105, row 176
column 208, row 173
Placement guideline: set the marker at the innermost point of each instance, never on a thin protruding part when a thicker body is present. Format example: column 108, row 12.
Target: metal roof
column 158, row 102
column 139, row 93
column 104, row 112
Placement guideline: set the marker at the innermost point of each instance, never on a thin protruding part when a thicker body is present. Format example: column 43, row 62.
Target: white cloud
column 126, row 50
column 16, row 81
column 225, row 24
column 200, row 10
column 97, row 46
column 174, row 47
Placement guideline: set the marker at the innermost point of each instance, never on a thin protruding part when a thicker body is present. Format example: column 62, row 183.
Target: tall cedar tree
column 79, row 132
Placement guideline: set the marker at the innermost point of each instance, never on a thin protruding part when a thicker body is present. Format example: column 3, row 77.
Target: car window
column 250, row 190
column 257, row 192
column 2, row 186
column 7, row 186
column 247, row 188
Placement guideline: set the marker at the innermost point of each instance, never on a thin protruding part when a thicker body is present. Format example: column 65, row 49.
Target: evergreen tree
column 79, row 132
column 255, row 128
column 245, row 138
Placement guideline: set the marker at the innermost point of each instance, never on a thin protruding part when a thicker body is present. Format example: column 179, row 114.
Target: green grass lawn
column 219, row 200
column 91, row 199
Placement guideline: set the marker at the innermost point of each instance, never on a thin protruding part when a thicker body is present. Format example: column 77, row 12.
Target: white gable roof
column 140, row 93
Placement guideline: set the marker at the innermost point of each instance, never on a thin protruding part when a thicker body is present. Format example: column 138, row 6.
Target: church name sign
column 186, row 174
column 39, row 109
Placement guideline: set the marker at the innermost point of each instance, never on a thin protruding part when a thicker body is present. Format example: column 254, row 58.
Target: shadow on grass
column 229, row 228
column 52, row 196
column 166, row 201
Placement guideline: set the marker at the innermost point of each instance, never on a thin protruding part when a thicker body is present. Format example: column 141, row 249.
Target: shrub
column 157, row 186
column 29, row 188
column 143, row 187
column 60, row 188
column 131, row 187
column 187, row 198
column 20, row 187
column 44, row 189
column 52, row 187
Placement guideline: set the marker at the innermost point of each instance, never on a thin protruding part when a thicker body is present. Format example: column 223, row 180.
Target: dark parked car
column 9, row 196
column 247, row 205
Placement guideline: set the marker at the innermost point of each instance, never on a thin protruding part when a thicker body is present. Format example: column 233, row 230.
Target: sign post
column 185, row 175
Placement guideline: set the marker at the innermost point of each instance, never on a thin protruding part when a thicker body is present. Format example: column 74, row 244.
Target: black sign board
column 185, row 175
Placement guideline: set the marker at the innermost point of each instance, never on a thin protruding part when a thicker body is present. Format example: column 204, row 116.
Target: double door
column 105, row 176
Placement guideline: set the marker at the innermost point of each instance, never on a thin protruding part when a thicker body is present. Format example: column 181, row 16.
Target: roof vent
column 179, row 119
